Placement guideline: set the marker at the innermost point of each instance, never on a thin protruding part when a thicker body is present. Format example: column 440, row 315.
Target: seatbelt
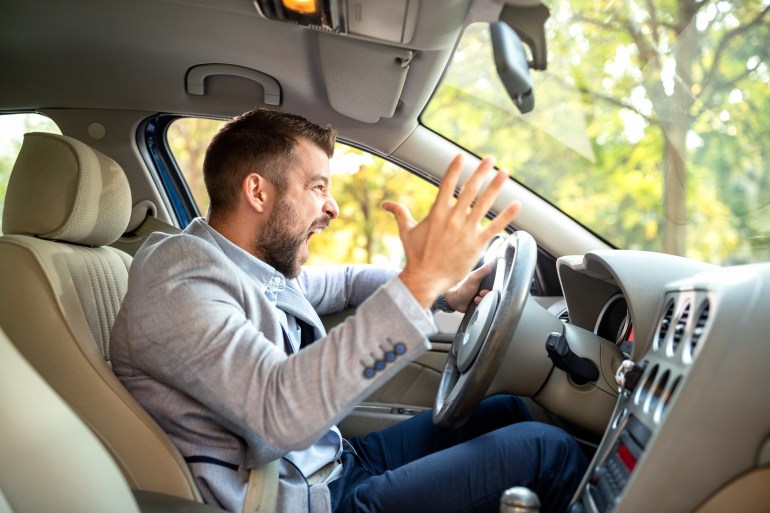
column 131, row 241
column 262, row 490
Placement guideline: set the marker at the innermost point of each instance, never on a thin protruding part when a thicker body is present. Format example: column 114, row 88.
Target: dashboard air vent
column 700, row 326
column 665, row 323
column 681, row 326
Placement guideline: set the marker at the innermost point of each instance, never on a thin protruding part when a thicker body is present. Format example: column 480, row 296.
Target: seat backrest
column 49, row 460
column 61, row 290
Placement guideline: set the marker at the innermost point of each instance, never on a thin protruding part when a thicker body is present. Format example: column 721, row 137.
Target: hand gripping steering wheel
column 486, row 330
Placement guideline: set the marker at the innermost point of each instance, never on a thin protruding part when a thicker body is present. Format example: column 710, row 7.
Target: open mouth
column 313, row 231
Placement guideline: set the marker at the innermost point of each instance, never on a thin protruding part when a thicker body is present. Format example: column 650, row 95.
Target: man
column 209, row 335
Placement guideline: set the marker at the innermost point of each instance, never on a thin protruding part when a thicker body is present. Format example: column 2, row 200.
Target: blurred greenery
column 651, row 125
column 364, row 233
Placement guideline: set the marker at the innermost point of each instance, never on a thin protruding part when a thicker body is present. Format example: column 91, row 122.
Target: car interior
column 653, row 360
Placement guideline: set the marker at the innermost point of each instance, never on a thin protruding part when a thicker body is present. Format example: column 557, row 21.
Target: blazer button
column 399, row 348
column 390, row 356
column 379, row 365
column 369, row 373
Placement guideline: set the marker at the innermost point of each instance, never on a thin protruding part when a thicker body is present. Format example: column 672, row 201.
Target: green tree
column 188, row 139
column 650, row 121
column 690, row 55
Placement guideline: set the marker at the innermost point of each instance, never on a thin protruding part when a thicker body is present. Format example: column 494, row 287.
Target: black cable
column 309, row 509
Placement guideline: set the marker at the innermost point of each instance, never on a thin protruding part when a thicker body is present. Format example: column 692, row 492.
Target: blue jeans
column 417, row 467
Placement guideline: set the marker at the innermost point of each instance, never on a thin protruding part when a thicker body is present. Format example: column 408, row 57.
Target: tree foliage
column 650, row 125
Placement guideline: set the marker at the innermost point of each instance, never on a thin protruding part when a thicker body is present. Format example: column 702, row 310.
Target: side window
column 364, row 233
column 12, row 130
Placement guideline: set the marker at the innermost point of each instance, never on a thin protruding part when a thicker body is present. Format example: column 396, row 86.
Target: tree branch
column 647, row 52
column 718, row 53
column 597, row 23
column 727, row 84
column 606, row 99
column 687, row 11
column 653, row 12
column 618, row 103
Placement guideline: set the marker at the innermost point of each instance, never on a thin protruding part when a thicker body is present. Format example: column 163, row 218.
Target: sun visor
column 363, row 80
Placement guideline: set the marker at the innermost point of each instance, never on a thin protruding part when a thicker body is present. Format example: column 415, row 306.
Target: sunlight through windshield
column 651, row 124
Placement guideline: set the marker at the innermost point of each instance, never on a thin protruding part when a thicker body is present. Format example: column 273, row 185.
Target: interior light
column 301, row 6
column 327, row 15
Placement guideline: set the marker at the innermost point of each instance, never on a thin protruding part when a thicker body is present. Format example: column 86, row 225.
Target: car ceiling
column 121, row 61
column 135, row 54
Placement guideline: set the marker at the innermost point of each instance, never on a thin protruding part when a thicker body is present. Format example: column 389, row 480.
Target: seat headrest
column 61, row 189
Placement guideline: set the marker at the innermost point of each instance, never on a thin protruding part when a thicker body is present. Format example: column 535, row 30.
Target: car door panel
column 411, row 391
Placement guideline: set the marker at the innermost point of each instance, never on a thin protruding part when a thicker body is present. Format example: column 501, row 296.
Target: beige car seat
column 50, row 461
column 61, row 290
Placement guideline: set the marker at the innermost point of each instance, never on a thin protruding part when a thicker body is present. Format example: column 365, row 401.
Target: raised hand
column 443, row 248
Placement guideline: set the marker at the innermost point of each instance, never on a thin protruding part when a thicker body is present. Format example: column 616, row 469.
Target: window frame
column 152, row 139
column 159, row 157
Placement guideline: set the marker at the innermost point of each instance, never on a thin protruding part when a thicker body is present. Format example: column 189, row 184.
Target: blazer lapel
column 293, row 302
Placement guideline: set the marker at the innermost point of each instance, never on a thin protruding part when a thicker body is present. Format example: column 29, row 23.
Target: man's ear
column 257, row 191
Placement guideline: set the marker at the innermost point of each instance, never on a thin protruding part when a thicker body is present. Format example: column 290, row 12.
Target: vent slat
column 665, row 323
column 700, row 326
column 681, row 326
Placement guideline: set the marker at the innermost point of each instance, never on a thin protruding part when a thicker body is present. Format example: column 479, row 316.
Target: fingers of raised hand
column 448, row 183
column 487, row 197
column 403, row 217
column 502, row 220
column 473, row 184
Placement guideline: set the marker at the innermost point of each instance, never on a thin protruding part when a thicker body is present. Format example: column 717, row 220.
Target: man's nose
column 331, row 208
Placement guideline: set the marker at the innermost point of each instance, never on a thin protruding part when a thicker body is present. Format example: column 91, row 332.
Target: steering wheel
column 485, row 331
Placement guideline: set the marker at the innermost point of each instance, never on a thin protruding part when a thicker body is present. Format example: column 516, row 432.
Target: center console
column 646, row 392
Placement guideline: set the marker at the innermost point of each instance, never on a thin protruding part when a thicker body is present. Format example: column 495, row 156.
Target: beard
column 280, row 243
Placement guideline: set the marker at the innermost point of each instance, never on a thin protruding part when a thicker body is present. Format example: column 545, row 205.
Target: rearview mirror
column 512, row 66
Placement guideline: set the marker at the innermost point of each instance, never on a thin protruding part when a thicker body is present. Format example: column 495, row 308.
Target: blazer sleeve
column 331, row 289
column 188, row 329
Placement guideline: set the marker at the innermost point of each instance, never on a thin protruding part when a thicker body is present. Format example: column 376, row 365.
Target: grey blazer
column 198, row 342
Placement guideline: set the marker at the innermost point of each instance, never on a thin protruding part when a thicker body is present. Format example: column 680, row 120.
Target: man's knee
column 555, row 445
column 560, row 464
column 552, row 456
column 511, row 408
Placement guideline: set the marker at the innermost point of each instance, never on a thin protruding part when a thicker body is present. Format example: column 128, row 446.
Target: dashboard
column 690, row 430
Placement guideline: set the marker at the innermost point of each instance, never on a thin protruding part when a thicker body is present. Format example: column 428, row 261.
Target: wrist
column 423, row 290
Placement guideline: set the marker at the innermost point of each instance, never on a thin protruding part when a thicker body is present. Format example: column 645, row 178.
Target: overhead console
column 416, row 24
column 393, row 21
column 366, row 46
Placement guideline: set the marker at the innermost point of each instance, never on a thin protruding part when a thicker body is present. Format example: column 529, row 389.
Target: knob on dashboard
column 596, row 475
column 628, row 374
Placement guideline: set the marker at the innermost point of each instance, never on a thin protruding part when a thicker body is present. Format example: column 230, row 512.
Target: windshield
column 651, row 124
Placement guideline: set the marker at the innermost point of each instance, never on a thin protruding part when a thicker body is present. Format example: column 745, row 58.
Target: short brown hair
column 260, row 141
